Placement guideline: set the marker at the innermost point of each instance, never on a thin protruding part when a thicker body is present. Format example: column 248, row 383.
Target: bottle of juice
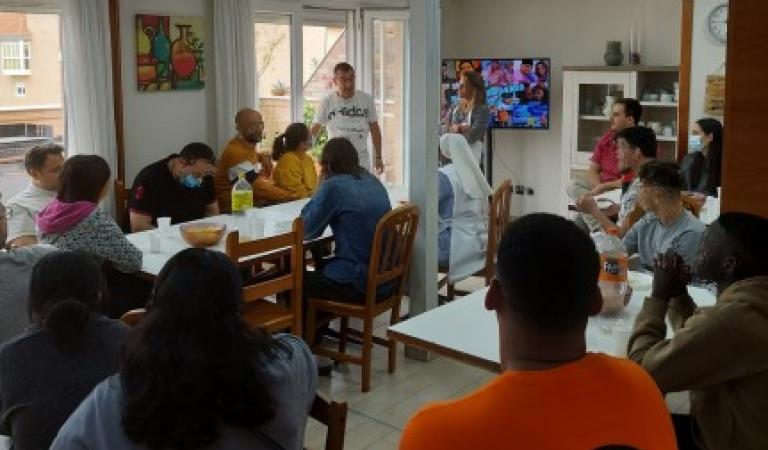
column 242, row 195
column 613, row 270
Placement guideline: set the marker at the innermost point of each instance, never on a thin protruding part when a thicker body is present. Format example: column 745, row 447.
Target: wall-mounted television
column 517, row 90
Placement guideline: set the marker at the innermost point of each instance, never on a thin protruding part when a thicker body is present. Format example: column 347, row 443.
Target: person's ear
column 595, row 302
column 494, row 298
column 731, row 265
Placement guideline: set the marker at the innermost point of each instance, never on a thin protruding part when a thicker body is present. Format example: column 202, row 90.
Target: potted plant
column 279, row 89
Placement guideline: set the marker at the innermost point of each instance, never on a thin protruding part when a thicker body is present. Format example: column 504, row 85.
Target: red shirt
column 606, row 156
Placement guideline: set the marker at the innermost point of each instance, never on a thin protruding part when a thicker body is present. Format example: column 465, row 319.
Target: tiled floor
column 377, row 418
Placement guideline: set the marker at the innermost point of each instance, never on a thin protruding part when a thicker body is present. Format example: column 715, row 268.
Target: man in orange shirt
column 552, row 395
column 240, row 156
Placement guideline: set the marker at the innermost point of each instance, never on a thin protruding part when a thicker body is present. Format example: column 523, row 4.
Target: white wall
column 707, row 57
column 159, row 123
column 571, row 33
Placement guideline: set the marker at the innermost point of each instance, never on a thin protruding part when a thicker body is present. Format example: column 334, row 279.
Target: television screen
column 517, row 90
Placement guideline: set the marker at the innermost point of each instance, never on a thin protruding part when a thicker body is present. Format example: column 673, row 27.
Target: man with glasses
column 351, row 114
column 636, row 146
column 241, row 156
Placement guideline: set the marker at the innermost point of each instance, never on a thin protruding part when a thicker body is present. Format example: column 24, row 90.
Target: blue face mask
column 694, row 143
column 190, row 181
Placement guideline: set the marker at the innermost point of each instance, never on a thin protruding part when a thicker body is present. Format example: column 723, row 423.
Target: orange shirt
column 264, row 191
column 595, row 401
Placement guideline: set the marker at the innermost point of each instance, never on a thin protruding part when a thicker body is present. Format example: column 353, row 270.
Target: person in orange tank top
column 552, row 393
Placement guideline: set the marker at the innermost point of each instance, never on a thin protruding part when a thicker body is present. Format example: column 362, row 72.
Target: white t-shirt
column 350, row 118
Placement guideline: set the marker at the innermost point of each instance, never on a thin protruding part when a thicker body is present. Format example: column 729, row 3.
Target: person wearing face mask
column 179, row 186
column 241, row 156
column 702, row 166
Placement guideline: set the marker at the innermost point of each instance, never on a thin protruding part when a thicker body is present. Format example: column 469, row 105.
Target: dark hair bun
column 67, row 319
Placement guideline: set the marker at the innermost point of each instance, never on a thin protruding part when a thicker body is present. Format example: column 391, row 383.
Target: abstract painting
column 169, row 53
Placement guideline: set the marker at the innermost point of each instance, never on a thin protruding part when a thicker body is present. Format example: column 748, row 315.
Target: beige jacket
column 720, row 354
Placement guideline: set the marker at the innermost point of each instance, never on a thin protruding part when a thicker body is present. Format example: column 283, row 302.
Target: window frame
column 22, row 54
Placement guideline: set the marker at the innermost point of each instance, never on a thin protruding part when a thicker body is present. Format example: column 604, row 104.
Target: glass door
column 385, row 57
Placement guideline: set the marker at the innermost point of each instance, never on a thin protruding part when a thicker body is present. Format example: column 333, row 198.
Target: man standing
column 351, row 114
column 636, row 146
column 179, row 186
column 43, row 164
column 604, row 173
column 241, row 156
column 716, row 353
column 552, row 393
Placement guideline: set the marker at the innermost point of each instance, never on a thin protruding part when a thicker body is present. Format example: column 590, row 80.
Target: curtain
column 235, row 62
column 88, row 94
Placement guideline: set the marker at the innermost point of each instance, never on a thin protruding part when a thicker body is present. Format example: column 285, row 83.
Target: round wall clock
column 717, row 22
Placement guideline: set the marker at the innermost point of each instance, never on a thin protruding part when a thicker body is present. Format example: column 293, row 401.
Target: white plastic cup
column 621, row 341
column 155, row 242
column 255, row 220
column 164, row 224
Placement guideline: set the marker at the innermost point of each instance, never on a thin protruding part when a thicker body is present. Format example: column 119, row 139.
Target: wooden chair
column 330, row 413
column 258, row 311
column 390, row 260
column 498, row 219
column 122, row 216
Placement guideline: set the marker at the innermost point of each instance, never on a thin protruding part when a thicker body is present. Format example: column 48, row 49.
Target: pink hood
column 59, row 217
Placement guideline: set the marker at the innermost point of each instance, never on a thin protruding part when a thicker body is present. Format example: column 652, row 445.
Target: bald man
column 241, row 155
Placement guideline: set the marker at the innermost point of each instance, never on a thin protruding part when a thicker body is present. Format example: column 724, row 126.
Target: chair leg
column 343, row 328
column 311, row 331
column 451, row 292
column 392, row 344
column 367, row 352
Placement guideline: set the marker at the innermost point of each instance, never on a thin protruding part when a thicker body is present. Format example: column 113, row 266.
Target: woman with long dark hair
column 46, row 371
column 295, row 171
column 194, row 376
column 702, row 166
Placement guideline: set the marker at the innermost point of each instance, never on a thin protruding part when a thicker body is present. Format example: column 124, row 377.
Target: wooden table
column 278, row 219
column 465, row 331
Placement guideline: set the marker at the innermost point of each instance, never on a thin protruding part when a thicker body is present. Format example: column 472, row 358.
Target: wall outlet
column 529, row 190
column 519, row 189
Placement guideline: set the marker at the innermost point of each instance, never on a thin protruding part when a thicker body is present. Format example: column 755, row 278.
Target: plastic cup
column 164, row 224
column 255, row 221
column 155, row 242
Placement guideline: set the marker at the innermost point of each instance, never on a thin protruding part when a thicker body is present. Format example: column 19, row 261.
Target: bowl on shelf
column 667, row 98
column 202, row 234
column 651, row 97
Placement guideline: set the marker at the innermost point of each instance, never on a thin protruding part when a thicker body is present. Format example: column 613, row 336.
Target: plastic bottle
column 242, row 195
column 613, row 270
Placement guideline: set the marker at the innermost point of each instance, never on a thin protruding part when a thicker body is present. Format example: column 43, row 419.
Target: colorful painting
column 169, row 53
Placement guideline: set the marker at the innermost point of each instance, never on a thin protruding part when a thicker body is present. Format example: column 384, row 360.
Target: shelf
column 660, row 104
column 666, row 138
column 624, row 68
column 592, row 117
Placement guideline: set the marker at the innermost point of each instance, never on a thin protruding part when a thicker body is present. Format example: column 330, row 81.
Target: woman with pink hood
column 73, row 221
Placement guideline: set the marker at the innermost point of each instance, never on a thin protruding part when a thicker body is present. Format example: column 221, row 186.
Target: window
column 273, row 73
column 15, row 57
column 32, row 109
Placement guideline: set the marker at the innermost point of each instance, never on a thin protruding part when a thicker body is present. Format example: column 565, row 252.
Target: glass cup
column 164, row 224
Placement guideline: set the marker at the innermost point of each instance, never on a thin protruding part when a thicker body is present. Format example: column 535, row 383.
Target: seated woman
column 46, row 371
column 463, row 210
column 702, row 166
column 194, row 376
column 351, row 201
column 73, row 220
column 295, row 171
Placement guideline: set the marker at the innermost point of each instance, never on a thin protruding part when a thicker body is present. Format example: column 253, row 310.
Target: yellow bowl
column 202, row 234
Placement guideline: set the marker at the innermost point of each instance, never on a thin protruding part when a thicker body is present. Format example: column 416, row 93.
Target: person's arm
column 111, row 244
column 588, row 205
column 378, row 162
column 140, row 222
column 476, row 130
column 265, row 191
column 593, row 173
column 21, row 227
column 212, row 209
column 319, row 212
column 632, row 238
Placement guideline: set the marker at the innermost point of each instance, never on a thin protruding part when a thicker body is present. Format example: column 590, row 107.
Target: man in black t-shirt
column 179, row 186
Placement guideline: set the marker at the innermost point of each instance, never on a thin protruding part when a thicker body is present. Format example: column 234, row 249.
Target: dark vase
column 613, row 55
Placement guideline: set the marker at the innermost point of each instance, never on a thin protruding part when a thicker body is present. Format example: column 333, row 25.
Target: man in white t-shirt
column 351, row 114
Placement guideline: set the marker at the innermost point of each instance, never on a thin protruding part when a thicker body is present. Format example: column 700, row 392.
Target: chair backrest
column 122, row 216
column 498, row 219
column 290, row 244
column 133, row 317
column 391, row 250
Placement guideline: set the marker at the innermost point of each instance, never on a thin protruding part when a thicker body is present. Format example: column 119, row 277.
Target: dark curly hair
column 193, row 363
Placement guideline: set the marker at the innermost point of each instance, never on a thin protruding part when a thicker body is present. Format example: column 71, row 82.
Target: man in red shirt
column 604, row 173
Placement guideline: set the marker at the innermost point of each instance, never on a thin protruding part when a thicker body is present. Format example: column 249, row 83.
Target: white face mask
column 694, row 143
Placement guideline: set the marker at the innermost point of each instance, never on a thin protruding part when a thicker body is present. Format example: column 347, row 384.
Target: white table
column 464, row 330
column 278, row 220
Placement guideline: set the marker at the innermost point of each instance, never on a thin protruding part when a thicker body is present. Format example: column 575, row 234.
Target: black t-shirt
column 157, row 193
